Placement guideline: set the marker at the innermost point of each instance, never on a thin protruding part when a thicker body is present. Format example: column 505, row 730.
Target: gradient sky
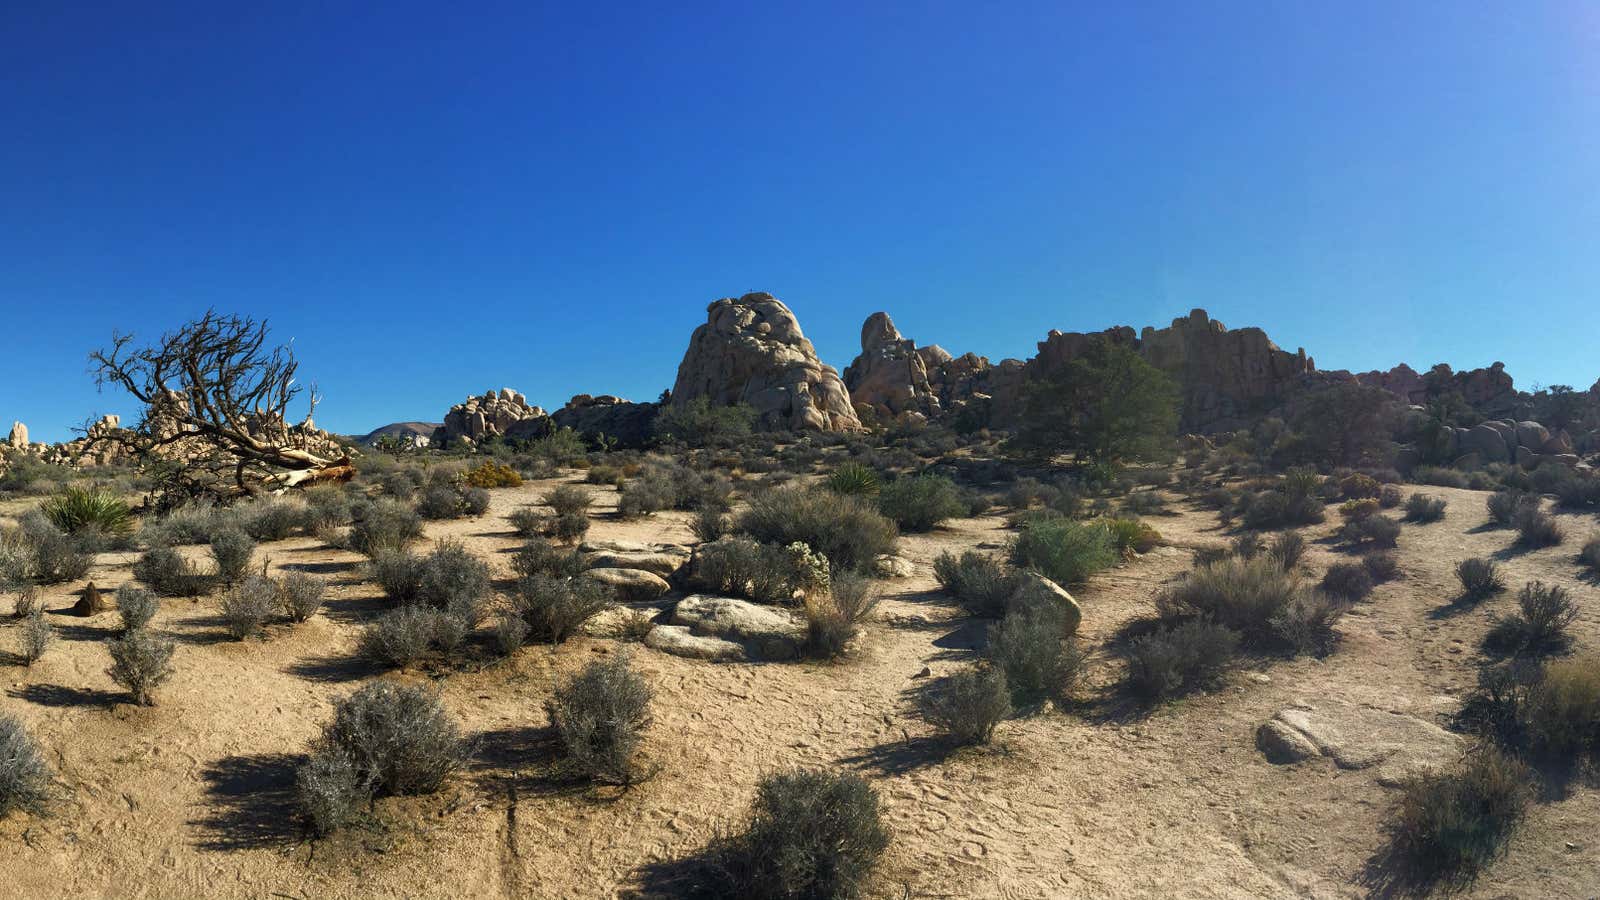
column 436, row 199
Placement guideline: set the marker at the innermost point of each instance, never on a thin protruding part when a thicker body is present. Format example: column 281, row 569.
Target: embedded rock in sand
column 764, row 632
column 659, row 559
column 678, row 640
column 751, row 351
column 1036, row 587
column 630, row 585
column 1398, row 745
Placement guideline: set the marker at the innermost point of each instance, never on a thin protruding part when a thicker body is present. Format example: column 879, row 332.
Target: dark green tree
column 1346, row 424
column 700, row 424
column 1106, row 406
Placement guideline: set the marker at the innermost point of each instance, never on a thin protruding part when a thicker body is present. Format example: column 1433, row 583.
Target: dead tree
column 215, row 396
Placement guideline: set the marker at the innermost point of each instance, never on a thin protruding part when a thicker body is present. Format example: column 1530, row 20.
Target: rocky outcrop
column 751, row 351
column 629, row 424
column 890, row 377
column 503, row 413
column 18, row 439
column 1391, row 742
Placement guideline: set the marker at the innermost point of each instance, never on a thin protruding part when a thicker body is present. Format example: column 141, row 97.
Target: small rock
column 1282, row 744
column 631, row 585
column 924, row 673
column 890, row 566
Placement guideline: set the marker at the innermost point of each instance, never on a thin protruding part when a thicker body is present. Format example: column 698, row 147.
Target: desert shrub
column 474, row 501
column 1573, row 491
column 528, row 522
column 272, row 519
column 810, row 834
column 920, row 503
column 1179, row 658
column 1377, row 531
column 555, row 608
column 967, row 705
column 25, row 773
column 490, row 474
column 451, row 576
column 982, row 583
column 1286, row 549
column 1352, row 510
column 1307, row 622
column 1030, row 647
column 833, row 617
column 27, row 601
column 1295, row 500
column 1439, row 476
column 399, row 637
column 1144, row 503
column 328, row 507
column 300, row 595
column 1559, row 718
column 571, row 527
column 232, row 550
column 1536, row 528
column 568, row 499
column 649, row 493
column 845, row 530
column 1454, row 821
column 384, row 525
column 1544, row 613
column 168, row 573
column 1357, row 486
column 606, row 474
column 37, row 636
column 1423, row 508
column 1505, row 506
column 330, row 790
column 400, row 739
column 140, row 662
column 510, row 633
column 1243, row 594
column 709, row 524
column 1381, row 566
column 541, row 557
column 248, row 605
column 1480, row 578
column 82, row 509
column 853, row 479
column 1590, row 554
column 601, row 715
column 398, row 572
column 440, row 501
column 1062, row 550
column 1130, row 535
column 1388, row 496
column 1347, row 581
column 46, row 554
column 136, row 605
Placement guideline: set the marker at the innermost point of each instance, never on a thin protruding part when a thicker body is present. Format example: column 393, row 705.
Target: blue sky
column 432, row 200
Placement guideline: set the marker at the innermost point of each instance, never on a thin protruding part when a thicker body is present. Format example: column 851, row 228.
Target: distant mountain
column 422, row 429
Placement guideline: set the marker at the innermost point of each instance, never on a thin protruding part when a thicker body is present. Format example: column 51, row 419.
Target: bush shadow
column 60, row 696
column 254, row 803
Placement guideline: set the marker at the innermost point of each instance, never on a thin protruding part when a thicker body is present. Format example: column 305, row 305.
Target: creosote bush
column 1245, row 595
column 1536, row 528
column 1480, row 578
column 920, row 503
column 1062, row 550
column 140, row 662
column 1180, row 658
column 1455, row 821
column 170, row 574
column 25, row 773
column 810, row 834
column 555, row 607
column 1030, row 645
column 967, row 705
column 601, row 715
column 1423, row 508
column 845, row 530
column 1544, row 613
column 1347, row 581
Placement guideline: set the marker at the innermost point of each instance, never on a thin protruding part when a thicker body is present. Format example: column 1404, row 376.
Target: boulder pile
column 502, row 413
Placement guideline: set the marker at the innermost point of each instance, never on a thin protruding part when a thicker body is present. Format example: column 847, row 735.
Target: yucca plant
column 82, row 509
column 853, row 479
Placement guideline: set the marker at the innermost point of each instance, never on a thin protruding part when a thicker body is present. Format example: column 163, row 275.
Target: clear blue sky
column 436, row 199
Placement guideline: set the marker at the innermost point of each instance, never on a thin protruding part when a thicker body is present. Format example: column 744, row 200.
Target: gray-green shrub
column 136, row 605
column 25, row 773
column 140, row 661
column 600, row 715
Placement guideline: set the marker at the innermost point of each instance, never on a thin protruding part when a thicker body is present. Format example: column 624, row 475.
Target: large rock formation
column 628, row 424
column 751, row 351
column 18, row 439
column 502, row 413
column 890, row 377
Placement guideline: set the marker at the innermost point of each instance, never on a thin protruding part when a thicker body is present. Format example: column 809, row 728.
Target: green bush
column 853, row 479
column 1031, row 647
column 1480, row 578
column 1347, row 581
column 25, row 773
column 83, row 509
column 845, row 530
column 1062, row 550
column 1375, row 530
column 1180, row 658
column 601, row 715
column 1245, row 595
column 1453, row 822
column 920, row 503
column 967, row 705
column 810, row 834
column 1560, row 719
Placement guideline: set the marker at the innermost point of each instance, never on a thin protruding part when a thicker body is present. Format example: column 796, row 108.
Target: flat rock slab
column 765, row 632
column 679, row 641
column 631, row 585
column 1396, row 744
column 662, row 559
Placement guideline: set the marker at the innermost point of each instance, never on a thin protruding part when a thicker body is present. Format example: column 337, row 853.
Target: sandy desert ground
column 192, row 797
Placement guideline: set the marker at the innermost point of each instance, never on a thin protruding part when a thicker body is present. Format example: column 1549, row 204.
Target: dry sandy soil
column 191, row 798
